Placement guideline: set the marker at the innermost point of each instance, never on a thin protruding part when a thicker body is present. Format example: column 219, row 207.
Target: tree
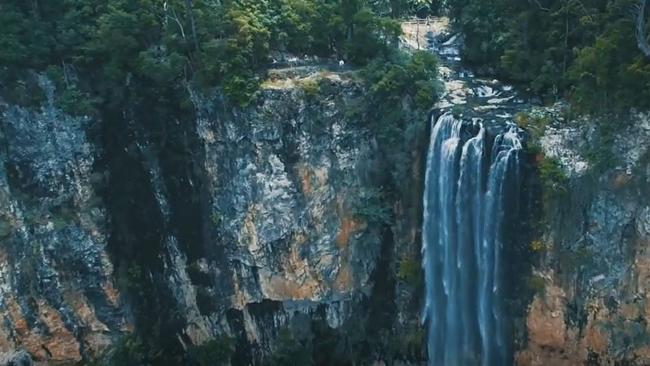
column 590, row 51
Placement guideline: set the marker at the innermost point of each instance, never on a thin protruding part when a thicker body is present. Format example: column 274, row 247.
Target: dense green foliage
column 291, row 351
column 397, row 8
column 599, row 152
column 353, row 344
column 584, row 50
column 161, row 44
column 131, row 351
column 410, row 270
column 554, row 182
column 402, row 88
column 127, row 351
column 215, row 352
column 405, row 75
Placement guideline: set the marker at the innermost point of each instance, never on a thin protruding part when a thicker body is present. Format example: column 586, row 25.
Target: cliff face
column 238, row 222
column 286, row 184
column 58, row 300
column 288, row 218
column 593, row 306
column 284, row 179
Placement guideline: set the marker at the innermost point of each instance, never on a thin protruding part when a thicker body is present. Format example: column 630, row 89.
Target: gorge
column 205, row 183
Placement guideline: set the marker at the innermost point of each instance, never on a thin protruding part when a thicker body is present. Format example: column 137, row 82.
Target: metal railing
column 415, row 20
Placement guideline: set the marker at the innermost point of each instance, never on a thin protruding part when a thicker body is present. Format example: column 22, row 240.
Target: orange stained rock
column 620, row 180
column 289, row 289
column 83, row 311
column 111, row 293
column 305, row 179
column 55, row 344
column 546, row 327
column 343, row 282
column 349, row 226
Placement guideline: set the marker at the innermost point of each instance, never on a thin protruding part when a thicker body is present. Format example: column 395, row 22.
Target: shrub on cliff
column 554, row 183
column 410, row 270
column 291, row 351
column 127, row 351
column 372, row 206
column 214, row 352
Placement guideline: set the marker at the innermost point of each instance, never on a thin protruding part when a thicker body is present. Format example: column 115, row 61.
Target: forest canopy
column 169, row 42
column 586, row 50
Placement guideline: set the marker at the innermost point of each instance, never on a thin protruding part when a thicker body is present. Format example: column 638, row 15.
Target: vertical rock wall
column 58, row 299
column 237, row 222
column 593, row 307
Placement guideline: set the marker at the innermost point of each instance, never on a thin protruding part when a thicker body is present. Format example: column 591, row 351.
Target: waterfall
column 468, row 182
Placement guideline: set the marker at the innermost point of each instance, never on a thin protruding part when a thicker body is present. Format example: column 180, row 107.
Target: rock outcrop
column 284, row 180
column 236, row 222
column 593, row 307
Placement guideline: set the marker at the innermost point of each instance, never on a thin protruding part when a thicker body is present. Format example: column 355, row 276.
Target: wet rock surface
column 469, row 96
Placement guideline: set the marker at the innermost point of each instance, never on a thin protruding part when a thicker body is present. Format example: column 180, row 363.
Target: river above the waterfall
column 467, row 95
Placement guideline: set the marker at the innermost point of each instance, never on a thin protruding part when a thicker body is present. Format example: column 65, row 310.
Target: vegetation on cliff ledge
column 97, row 51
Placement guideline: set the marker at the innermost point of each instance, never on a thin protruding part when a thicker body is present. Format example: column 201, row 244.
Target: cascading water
column 468, row 182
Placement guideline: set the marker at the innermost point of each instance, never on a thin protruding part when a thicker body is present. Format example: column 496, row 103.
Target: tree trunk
column 641, row 36
column 566, row 43
column 190, row 15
